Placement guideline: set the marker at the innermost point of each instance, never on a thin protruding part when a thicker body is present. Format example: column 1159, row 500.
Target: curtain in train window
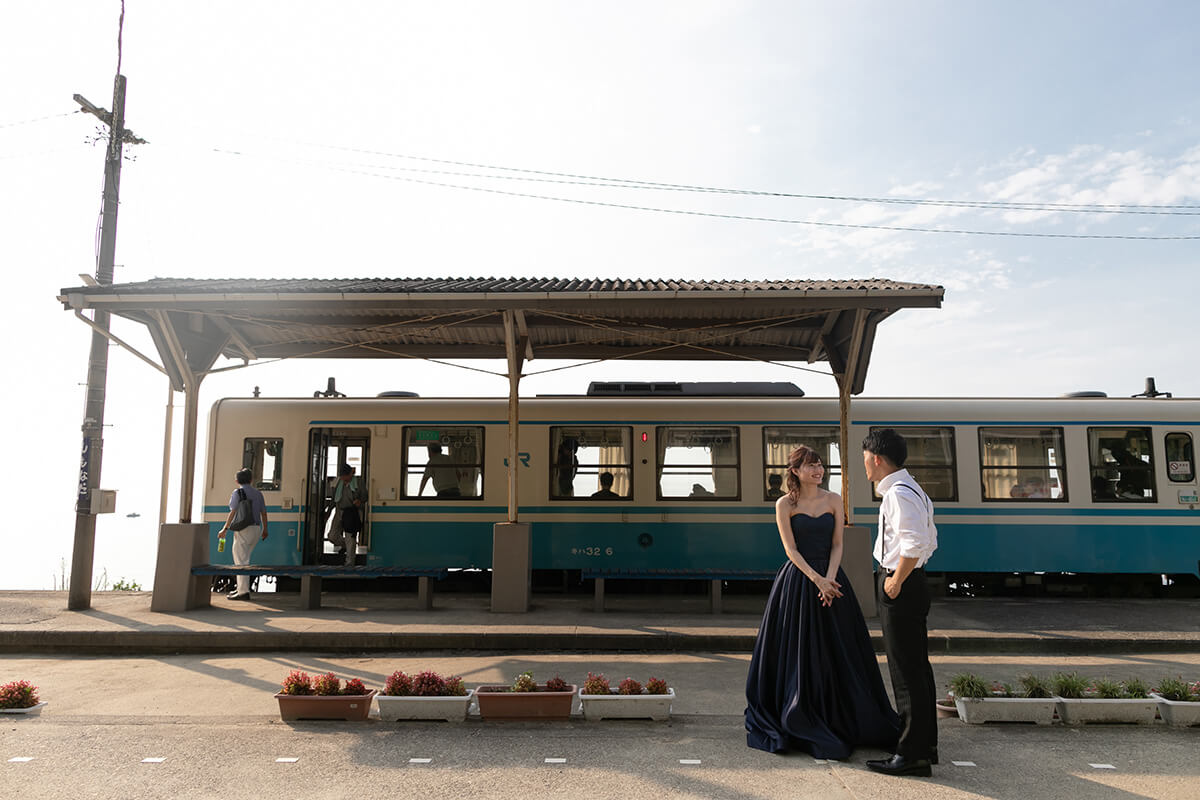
column 264, row 457
column 778, row 444
column 1022, row 464
column 930, row 460
column 1122, row 465
column 698, row 463
column 591, row 463
column 1181, row 464
column 443, row 461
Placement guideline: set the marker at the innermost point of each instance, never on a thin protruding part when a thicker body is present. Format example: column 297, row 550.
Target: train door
column 328, row 449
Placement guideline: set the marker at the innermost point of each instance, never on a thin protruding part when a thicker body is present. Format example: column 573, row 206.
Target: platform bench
column 714, row 576
column 310, row 576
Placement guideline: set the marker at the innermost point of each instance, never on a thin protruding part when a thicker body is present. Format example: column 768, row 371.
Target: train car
column 633, row 476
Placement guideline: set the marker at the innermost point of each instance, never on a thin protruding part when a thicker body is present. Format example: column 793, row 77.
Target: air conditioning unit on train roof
column 693, row 389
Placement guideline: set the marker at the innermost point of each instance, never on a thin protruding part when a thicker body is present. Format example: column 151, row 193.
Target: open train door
column 314, row 504
column 329, row 448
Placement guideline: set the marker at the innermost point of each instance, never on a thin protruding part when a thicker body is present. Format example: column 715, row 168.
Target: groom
column 907, row 538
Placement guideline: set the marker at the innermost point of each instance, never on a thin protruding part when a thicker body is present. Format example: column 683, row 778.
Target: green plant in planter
column 966, row 685
column 1002, row 689
column 354, row 686
column 596, row 683
column 629, row 686
column 1175, row 689
column 656, row 686
column 1135, row 689
column 326, row 685
column 297, row 683
column 1034, row 686
column 1069, row 685
column 524, row 683
column 455, row 686
column 18, row 694
column 556, row 684
column 428, row 684
column 1108, row 689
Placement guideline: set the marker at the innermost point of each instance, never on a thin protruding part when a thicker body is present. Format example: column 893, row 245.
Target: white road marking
column 964, row 763
column 20, row 759
column 153, row 760
column 1101, row 766
column 289, row 760
column 689, row 761
column 419, row 760
column 556, row 760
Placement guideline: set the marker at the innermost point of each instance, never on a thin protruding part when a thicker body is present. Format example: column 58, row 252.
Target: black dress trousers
column 906, row 639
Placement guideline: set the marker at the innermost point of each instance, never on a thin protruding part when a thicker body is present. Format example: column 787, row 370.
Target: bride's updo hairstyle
column 800, row 456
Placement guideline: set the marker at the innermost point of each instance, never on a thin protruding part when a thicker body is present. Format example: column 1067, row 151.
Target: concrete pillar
column 859, row 566
column 181, row 546
column 512, row 560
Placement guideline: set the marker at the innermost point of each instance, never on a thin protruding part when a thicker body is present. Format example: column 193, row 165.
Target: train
column 646, row 475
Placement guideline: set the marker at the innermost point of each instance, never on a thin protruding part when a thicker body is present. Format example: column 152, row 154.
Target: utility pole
column 83, row 555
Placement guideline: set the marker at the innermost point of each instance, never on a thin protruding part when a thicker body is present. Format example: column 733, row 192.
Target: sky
column 305, row 139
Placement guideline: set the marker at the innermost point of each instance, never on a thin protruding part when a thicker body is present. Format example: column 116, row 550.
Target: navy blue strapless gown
column 814, row 684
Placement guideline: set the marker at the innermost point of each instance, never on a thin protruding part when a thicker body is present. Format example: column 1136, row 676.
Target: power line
column 39, row 119
column 1012, row 205
column 745, row 217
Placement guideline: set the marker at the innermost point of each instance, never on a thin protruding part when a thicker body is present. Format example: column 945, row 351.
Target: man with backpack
column 347, row 504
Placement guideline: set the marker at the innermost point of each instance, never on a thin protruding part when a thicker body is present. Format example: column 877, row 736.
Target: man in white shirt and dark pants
column 907, row 538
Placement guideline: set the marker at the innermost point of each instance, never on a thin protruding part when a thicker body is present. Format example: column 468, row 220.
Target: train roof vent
column 694, row 389
column 1085, row 394
column 397, row 394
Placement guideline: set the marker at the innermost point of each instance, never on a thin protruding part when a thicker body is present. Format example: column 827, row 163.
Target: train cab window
column 264, row 458
column 1181, row 464
column 930, row 460
column 698, row 463
column 1122, row 465
column 778, row 444
column 1022, row 464
column 591, row 463
column 443, row 462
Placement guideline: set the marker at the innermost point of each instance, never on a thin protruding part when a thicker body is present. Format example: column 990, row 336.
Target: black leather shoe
column 899, row 765
column 245, row 596
column 933, row 759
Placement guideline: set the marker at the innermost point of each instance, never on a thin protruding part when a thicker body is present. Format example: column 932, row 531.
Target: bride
column 814, row 684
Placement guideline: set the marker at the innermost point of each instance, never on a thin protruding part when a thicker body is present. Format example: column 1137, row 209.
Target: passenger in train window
column 775, row 486
column 606, row 491
column 566, row 464
column 441, row 470
column 1017, row 491
column 700, row 491
column 1035, row 488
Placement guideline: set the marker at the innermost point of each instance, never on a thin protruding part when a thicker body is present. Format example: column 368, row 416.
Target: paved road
column 213, row 720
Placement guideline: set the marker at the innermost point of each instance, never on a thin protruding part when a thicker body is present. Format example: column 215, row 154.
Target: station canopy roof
column 194, row 321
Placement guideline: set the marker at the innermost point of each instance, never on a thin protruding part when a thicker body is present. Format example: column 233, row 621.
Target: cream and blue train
column 648, row 475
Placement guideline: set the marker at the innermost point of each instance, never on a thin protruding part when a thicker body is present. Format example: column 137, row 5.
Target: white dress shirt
column 906, row 528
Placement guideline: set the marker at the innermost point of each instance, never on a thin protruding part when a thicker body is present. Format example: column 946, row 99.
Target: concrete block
column 512, row 559
column 181, row 546
column 859, row 565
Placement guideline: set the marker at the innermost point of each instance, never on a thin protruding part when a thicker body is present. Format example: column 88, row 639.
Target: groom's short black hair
column 887, row 443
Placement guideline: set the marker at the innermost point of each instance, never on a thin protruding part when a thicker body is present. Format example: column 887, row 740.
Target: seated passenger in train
column 606, row 491
column 442, row 472
column 1035, row 488
column 774, row 486
column 700, row 491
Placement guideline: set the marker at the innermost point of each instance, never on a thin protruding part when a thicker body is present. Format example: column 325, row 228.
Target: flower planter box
column 452, row 708
column 978, row 710
column 500, row 703
column 31, row 711
column 627, row 706
column 1179, row 713
column 1083, row 710
column 350, row 707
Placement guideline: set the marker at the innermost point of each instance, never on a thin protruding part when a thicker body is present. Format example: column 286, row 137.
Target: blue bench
column 310, row 576
column 714, row 576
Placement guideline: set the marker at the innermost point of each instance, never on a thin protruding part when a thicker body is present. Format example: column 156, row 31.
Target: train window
column 1022, row 464
column 1122, row 465
column 930, row 460
column 698, row 463
column 778, row 444
column 1181, row 465
column 591, row 462
column 443, row 461
column 264, row 457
